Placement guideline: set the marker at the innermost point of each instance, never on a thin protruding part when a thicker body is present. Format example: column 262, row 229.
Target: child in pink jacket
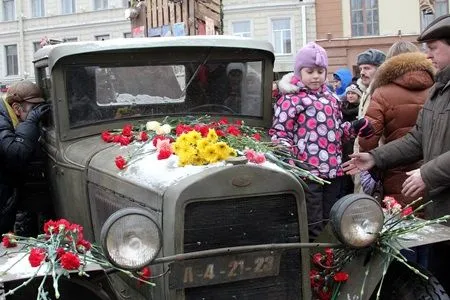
column 308, row 120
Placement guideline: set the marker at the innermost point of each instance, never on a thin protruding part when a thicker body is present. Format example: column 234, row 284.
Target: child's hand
column 363, row 127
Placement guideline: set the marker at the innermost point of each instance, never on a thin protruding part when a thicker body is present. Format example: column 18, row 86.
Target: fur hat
column 371, row 57
column 439, row 29
column 354, row 89
column 24, row 90
column 311, row 55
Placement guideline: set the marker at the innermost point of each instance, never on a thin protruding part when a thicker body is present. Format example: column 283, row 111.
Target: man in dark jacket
column 428, row 140
column 20, row 112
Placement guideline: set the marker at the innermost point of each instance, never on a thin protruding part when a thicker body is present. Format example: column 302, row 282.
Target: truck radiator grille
column 240, row 222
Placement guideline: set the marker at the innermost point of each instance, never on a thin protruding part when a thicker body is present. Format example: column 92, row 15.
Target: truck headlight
column 130, row 238
column 357, row 220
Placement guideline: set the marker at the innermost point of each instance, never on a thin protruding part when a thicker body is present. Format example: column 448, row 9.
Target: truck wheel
column 401, row 283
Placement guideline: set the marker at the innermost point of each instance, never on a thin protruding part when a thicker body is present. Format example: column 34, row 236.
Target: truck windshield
column 97, row 93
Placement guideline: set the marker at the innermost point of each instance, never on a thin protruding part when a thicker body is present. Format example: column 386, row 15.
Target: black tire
column 400, row 283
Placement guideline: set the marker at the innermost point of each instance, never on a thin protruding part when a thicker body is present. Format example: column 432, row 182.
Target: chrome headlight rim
column 124, row 213
column 338, row 212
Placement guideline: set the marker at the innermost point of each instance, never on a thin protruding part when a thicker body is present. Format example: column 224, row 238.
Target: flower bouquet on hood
column 60, row 251
column 201, row 141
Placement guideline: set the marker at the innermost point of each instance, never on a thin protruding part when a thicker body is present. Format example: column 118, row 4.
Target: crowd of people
column 387, row 129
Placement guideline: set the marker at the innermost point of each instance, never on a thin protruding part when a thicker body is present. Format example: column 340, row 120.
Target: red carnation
column 164, row 154
column 116, row 138
column 120, row 161
column 9, row 241
column 75, row 228
column 107, row 136
column 340, row 277
column 37, row 256
column 83, row 246
column 125, row 140
column 407, row 211
column 223, row 121
column 220, row 132
column 50, row 227
column 317, row 258
column 144, row 274
column 257, row 136
column 62, row 224
column 239, row 122
column 127, row 130
column 233, row 131
column 70, row 261
column 60, row 252
column 143, row 136
column 181, row 128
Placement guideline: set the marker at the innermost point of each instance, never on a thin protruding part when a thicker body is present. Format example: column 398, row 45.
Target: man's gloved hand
column 38, row 112
column 363, row 127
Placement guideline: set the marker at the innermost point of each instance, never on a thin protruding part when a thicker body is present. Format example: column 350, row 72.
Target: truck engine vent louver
column 240, row 222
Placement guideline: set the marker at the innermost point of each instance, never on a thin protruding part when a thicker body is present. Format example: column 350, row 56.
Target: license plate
column 222, row 269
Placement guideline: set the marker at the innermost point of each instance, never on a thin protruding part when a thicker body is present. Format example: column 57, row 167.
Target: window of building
column 12, row 65
column 282, row 36
column 37, row 8
column 9, row 11
column 364, row 14
column 127, row 35
column 241, row 28
column 67, row 7
column 440, row 8
column 102, row 37
column 100, row 4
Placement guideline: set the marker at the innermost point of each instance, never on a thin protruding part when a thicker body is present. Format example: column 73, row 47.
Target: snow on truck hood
column 148, row 171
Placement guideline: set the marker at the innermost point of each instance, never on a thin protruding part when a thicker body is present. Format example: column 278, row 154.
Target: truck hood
column 144, row 169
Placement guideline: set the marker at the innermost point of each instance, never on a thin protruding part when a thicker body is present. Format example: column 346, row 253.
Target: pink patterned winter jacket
column 311, row 124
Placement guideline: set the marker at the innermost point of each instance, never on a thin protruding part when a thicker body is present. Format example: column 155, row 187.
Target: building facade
column 24, row 23
column 347, row 27
column 287, row 24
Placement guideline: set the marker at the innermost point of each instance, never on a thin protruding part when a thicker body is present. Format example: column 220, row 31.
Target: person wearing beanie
column 20, row 113
column 428, row 139
column 349, row 108
column 308, row 122
column 368, row 63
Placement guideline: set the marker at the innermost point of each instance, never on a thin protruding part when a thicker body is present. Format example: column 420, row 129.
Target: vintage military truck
column 236, row 231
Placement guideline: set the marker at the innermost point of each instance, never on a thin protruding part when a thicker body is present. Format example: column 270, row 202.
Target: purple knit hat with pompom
column 310, row 56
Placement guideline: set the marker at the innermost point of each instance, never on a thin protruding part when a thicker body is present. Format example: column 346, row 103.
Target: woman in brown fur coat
column 399, row 90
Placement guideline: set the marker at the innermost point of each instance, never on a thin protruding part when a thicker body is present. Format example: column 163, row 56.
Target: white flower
column 164, row 129
column 153, row 125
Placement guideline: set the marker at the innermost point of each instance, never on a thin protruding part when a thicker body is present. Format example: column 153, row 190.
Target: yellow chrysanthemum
column 187, row 153
column 181, row 144
column 198, row 161
column 212, row 136
column 202, row 144
column 193, row 136
column 222, row 150
column 183, row 138
column 210, row 154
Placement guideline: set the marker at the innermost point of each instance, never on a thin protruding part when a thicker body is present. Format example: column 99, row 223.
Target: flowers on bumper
column 61, row 249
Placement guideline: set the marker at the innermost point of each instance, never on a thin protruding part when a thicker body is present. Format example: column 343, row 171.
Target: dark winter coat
column 428, row 140
column 399, row 91
column 350, row 114
column 16, row 149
